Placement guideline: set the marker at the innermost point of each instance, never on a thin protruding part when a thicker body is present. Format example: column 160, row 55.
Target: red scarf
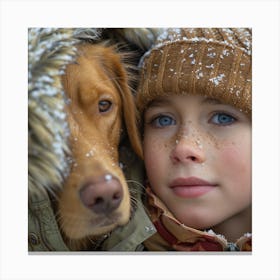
column 173, row 236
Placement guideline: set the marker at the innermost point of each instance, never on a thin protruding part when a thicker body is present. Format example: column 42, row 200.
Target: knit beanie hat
column 213, row 62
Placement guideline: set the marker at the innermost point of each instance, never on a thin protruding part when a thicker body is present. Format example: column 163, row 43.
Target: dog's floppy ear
column 130, row 114
column 131, row 118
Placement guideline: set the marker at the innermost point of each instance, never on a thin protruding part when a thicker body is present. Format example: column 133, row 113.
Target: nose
column 187, row 150
column 102, row 196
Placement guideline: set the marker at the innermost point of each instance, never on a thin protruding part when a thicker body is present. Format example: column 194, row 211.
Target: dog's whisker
column 133, row 202
column 135, row 182
column 140, row 188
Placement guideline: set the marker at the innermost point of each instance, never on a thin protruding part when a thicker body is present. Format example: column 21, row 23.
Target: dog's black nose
column 102, row 196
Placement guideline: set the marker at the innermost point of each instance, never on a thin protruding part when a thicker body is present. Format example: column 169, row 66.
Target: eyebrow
column 158, row 102
column 210, row 100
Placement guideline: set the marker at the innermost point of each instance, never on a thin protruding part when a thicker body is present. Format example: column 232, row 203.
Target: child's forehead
column 170, row 100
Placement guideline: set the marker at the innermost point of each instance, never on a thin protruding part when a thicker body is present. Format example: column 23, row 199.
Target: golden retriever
column 95, row 198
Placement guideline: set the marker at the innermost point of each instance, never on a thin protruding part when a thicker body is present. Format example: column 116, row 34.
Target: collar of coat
column 172, row 235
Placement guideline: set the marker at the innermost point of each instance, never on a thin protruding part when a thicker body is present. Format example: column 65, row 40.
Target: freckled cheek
column 155, row 152
column 235, row 159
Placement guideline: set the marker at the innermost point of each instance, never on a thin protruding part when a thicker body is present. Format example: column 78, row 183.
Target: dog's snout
column 102, row 196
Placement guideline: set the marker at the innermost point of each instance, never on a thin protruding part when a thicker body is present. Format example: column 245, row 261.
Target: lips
column 191, row 187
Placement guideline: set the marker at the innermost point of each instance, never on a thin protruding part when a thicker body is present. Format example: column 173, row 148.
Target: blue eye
column 162, row 121
column 222, row 119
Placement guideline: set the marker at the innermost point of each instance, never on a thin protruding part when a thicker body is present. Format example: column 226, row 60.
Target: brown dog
column 95, row 198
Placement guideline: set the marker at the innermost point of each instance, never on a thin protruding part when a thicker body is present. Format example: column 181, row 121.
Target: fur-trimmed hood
column 49, row 51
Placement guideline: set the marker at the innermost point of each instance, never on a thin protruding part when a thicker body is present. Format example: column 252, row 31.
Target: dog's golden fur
column 100, row 104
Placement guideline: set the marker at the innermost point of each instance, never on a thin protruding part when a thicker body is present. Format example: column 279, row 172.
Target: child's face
column 197, row 155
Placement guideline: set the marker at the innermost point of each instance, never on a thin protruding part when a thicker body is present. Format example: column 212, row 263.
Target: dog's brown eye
column 104, row 105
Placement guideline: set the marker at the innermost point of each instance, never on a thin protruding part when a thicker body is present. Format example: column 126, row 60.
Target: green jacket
column 44, row 234
column 43, row 231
